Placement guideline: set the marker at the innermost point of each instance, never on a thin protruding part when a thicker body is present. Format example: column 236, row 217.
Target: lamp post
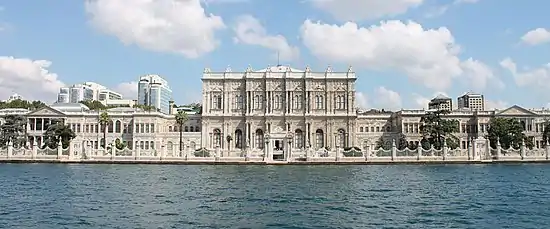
column 266, row 149
column 212, row 141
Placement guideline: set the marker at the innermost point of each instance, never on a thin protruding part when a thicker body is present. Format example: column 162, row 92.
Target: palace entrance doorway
column 279, row 145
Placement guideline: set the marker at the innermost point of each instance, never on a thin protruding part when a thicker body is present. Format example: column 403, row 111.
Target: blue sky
column 404, row 51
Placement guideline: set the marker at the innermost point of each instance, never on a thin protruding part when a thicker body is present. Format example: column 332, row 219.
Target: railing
column 392, row 154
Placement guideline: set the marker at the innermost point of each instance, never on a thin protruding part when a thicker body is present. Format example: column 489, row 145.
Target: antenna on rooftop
column 278, row 58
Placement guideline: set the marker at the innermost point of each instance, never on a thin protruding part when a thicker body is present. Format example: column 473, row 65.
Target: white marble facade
column 145, row 130
column 302, row 106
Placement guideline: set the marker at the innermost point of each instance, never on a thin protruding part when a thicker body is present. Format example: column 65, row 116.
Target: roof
column 279, row 68
column 124, row 109
column 69, row 107
column 470, row 94
column 441, row 97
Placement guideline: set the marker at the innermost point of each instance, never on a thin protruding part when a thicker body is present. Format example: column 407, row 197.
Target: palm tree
column 104, row 120
column 181, row 118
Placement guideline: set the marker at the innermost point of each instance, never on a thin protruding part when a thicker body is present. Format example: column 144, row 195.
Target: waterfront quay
column 479, row 152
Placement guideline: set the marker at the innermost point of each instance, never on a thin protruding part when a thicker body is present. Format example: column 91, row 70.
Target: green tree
column 146, row 107
column 119, row 144
column 181, row 118
column 37, row 105
column 509, row 132
column 452, row 142
column 23, row 104
column 383, row 143
column 436, row 129
column 104, row 120
column 56, row 132
column 14, row 130
column 402, row 141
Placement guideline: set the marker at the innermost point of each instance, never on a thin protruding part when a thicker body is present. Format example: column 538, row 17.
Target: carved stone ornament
column 249, row 69
column 329, row 69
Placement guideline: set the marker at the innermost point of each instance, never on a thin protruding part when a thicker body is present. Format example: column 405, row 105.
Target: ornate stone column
column 393, row 150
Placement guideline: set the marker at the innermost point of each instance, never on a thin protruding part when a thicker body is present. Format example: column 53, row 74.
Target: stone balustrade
column 479, row 150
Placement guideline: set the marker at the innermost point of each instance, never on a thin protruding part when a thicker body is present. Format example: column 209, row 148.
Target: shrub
column 352, row 152
column 202, row 152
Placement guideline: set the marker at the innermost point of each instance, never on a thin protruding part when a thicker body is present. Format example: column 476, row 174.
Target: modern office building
column 154, row 91
column 471, row 101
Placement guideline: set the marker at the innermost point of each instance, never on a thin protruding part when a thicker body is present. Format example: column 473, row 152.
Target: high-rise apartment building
column 471, row 101
column 85, row 92
column 441, row 102
column 154, row 91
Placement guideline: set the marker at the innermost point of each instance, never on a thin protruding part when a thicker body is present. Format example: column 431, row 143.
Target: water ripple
column 156, row 196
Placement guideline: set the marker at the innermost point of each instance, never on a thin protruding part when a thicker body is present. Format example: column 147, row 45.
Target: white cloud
column 358, row 10
column 128, row 89
column 536, row 37
column 361, row 100
column 248, row 30
column 496, row 104
column 442, row 9
column 387, row 99
column 538, row 77
column 29, row 78
column 420, row 102
column 465, row 1
column 479, row 75
column 223, row 1
column 171, row 26
column 427, row 56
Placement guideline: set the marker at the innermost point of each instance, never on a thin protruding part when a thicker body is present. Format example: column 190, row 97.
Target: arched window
column 191, row 129
column 277, row 102
column 341, row 138
column 256, row 102
column 217, row 137
column 298, row 102
column 318, row 102
column 319, row 138
column 110, row 127
column 170, row 146
column 118, row 126
column 239, row 102
column 238, row 139
column 186, row 129
column 298, row 139
column 217, row 102
column 259, row 139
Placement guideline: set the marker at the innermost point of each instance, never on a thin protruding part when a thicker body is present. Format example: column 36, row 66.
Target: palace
column 272, row 111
